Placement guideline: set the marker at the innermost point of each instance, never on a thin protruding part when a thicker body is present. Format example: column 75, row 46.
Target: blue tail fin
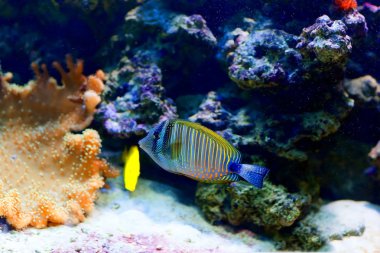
column 254, row 174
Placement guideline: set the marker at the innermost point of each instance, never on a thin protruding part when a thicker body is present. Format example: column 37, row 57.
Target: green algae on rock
column 272, row 207
column 304, row 236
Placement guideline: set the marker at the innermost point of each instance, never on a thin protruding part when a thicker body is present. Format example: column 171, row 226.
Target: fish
column 192, row 150
column 131, row 159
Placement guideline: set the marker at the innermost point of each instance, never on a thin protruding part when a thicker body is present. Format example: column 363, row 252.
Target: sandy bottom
column 151, row 219
column 155, row 219
column 353, row 226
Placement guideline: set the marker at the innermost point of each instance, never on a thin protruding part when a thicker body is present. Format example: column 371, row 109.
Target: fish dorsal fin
column 216, row 137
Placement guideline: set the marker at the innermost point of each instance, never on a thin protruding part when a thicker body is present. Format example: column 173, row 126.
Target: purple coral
column 194, row 26
column 270, row 57
column 139, row 104
column 264, row 58
column 211, row 113
column 327, row 40
column 154, row 14
column 356, row 23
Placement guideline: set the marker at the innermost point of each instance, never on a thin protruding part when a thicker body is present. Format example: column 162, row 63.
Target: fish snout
column 144, row 144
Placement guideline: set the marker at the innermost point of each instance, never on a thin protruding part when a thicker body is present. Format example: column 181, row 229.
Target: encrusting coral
column 48, row 174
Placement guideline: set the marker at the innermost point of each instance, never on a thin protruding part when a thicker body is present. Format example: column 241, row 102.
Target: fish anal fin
column 225, row 179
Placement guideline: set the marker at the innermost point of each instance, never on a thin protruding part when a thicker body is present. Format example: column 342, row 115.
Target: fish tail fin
column 254, row 174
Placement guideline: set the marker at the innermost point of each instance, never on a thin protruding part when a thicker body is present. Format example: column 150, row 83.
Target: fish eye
column 158, row 130
column 156, row 135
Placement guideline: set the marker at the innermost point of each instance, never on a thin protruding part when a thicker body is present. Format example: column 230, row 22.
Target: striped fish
column 192, row 150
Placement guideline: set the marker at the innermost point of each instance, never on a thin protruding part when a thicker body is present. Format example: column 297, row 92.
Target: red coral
column 346, row 5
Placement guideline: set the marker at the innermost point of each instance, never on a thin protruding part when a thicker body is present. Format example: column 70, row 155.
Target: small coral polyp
column 49, row 175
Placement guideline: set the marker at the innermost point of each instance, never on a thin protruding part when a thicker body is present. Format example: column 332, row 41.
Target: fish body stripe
column 179, row 141
column 214, row 156
column 201, row 156
column 188, row 151
column 198, row 152
column 192, row 149
column 184, row 147
column 207, row 154
column 197, row 149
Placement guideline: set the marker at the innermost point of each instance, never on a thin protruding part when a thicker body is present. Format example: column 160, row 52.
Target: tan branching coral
column 49, row 175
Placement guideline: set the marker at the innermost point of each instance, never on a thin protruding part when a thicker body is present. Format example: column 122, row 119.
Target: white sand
column 153, row 219
column 351, row 217
column 148, row 220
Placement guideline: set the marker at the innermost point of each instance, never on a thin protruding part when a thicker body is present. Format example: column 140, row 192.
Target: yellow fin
column 131, row 168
